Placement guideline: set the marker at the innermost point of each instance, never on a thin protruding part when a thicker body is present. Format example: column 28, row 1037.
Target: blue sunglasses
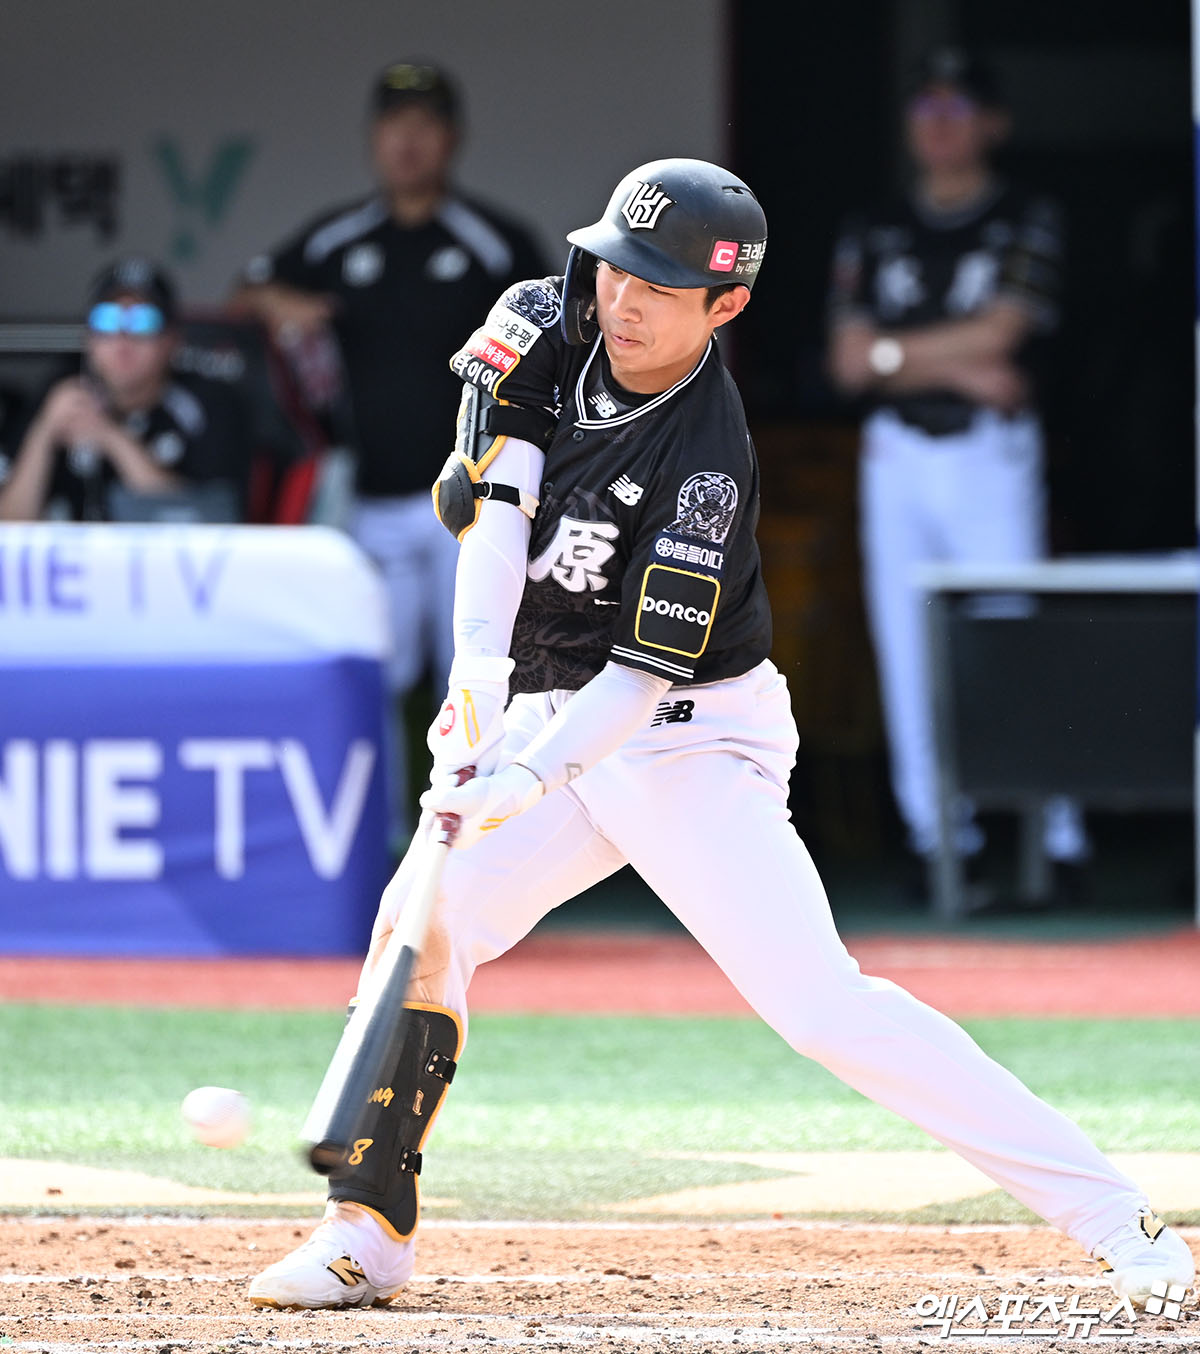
column 140, row 320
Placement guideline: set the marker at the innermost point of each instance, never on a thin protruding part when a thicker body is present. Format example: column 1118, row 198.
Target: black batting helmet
column 676, row 223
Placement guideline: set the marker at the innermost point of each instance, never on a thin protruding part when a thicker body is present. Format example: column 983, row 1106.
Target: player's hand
column 1000, row 385
column 293, row 315
column 469, row 727
column 484, row 803
column 72, row 413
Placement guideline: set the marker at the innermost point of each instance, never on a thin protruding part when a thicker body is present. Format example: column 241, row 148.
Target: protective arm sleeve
column 490, row 579
column 602, row 716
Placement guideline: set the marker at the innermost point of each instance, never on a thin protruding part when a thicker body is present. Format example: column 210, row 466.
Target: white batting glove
column 484, row 803
column 469, row 727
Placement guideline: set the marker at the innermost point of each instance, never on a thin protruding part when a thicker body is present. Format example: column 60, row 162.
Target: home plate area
column 175, row 1286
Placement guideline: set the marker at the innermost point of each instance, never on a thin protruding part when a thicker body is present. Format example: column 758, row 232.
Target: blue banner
column 191, row 809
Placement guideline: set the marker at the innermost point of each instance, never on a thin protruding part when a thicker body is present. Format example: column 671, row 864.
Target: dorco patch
column 676, row 610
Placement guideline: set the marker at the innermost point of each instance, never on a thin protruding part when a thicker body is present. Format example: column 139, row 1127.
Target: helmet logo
column 724, row 256
column 644, row 205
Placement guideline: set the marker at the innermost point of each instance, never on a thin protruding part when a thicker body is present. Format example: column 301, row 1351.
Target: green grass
column 548, row 1117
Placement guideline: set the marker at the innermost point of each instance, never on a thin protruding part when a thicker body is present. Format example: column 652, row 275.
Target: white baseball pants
column 699, row 808
column 977, row 496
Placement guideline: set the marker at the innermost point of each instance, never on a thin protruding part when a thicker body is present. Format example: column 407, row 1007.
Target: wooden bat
column 374, row 1034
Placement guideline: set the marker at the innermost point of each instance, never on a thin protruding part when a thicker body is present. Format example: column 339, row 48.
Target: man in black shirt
column 940, row 300
column 605, row 492
column 398, row 277
column 129, row 438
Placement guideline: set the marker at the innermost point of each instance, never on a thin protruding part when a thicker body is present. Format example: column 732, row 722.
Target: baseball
column 217, row 1116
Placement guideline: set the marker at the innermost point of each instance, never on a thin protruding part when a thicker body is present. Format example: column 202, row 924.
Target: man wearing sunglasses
column 941, row 302
column 128, row 431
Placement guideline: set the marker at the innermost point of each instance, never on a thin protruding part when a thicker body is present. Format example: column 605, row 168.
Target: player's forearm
column 135, row 468
column 274, row 303
column 490, row 580
column 24, row 496
column 595, row 722
column 930, row 357
column 992, row 336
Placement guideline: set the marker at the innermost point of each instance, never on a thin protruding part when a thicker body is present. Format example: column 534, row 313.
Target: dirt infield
column 665, row 974
column 80, row 1285
column 179, row 1288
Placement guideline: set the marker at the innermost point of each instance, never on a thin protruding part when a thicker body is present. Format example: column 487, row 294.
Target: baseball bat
column 374, row 1034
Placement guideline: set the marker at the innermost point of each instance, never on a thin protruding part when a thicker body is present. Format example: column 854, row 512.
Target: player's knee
column 819, row 1022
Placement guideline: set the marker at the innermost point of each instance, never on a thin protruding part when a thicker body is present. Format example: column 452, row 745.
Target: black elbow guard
column 459, row 493
column 483, row 425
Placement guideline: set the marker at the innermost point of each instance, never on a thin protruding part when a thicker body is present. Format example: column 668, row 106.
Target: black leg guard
column 382, row 1168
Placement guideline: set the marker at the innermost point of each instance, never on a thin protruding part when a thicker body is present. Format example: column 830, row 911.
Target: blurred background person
column 129, row 438
column 396, row 278
column 942, row 300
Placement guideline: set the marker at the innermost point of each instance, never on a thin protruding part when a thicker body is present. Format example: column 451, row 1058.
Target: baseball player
column 398, row 277
column 939, row 302
column 605, row 492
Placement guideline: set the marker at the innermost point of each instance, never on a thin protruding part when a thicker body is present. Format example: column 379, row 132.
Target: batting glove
column 469, row 727
column 484, row 803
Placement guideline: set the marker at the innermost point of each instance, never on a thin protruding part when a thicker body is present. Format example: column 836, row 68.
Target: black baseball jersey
column 643, row 548
column 405, row 296
column 200, row 430
column 906, row 266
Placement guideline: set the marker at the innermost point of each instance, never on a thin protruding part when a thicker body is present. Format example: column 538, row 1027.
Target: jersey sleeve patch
column 706, row 506
column 514, row 324
column 675, row 610
column 698, row 554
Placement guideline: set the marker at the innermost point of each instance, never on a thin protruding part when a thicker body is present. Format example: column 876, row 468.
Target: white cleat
column 349, row 1261
column 1142, row 1254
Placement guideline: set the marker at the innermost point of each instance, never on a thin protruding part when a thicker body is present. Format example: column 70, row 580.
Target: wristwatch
column 885, row 357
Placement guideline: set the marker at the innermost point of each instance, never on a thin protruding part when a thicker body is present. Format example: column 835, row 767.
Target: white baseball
column 217, row 1116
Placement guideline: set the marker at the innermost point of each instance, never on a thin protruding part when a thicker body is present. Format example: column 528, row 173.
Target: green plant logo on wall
column 200, row 200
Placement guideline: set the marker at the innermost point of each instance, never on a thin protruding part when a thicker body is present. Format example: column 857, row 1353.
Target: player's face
column 949, row 130
column 130, row 364
column 411, row 149
column 654, row 335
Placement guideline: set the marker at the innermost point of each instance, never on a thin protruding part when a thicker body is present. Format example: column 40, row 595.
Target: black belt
column 934, row 421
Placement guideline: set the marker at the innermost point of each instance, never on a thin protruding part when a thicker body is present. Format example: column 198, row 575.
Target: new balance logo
column 626, row 490
column 605, row 405
column 673, row 712
column 347, row 1271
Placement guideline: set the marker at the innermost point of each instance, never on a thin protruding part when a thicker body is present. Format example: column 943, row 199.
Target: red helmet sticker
column 724, row 256
column 446, row 723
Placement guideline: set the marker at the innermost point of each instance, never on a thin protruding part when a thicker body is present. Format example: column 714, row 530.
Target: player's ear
column 728, row 305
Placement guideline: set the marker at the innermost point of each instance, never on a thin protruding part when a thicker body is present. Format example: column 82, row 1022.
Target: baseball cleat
column 349, row 1261
column 1142, row 1253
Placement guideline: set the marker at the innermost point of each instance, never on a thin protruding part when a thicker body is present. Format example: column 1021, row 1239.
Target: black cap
column 409, row 82
column 135, row 276
column 961, row 70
